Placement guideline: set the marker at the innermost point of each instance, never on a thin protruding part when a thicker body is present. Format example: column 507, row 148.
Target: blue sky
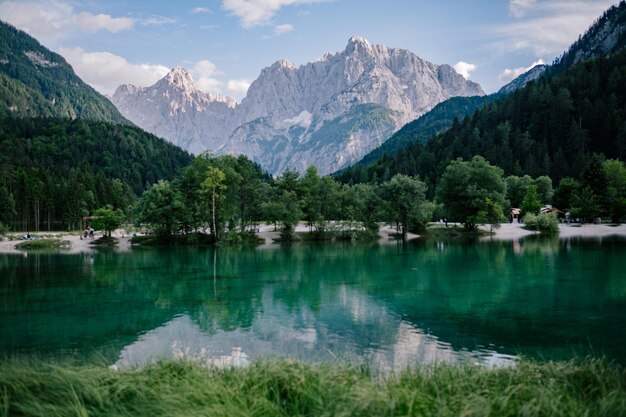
column 226, row 43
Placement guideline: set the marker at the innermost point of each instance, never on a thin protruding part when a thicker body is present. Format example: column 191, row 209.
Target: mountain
column 426, row 126
column 521, row 81
column 329, row 112
column 174, row 108
column 35, row 81
column 551, row 126
column 605, row 37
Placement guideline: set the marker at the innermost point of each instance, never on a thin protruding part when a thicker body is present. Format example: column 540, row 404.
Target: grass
column 288, row 388
column 43, row 244
column 104, row 241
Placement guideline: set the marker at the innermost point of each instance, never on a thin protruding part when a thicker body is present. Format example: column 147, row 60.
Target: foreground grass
column 287, row 388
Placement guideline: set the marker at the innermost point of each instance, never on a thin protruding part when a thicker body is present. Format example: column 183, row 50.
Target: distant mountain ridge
column 174, row 108
column 523, row 79
column 35, row 81
column 549, row 126
column 606, row 36
column 329, row 112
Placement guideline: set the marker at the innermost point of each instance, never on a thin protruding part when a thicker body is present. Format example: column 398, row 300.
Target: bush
column 3, row 229
column 547, row 223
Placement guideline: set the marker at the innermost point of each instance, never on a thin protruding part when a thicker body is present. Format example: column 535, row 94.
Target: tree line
column 54, row 171
column 225, row 197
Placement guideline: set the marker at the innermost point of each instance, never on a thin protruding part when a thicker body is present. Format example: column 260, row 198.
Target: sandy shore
column 77, row 244
column 507, row 231
column 513, row 231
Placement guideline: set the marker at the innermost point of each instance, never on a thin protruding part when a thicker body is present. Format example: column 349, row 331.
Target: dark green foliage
column 406, row 196
column 615, row 173
column 7, row 206
column 107, row 220
column 565, row 192
column 491, row 213
column 58, row 170
column 46, row 87
column 531, row 203
column 545, row 223
column 162, row 206
column 467, row 186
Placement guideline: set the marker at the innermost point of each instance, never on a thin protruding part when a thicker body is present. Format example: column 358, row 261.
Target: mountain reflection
column 393, row 306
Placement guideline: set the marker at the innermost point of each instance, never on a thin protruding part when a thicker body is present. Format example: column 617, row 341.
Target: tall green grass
column 288, row 388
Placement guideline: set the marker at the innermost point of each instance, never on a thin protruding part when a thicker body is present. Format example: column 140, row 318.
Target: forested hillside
column 422, row 129
column 53, row 171
column 606, row 37
column 35, row 81
column 551, row 127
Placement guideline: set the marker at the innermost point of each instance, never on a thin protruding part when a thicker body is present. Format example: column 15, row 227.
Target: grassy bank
column 287, row 388
column 43, row 244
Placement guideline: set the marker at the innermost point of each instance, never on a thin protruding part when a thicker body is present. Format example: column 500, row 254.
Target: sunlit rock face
column 328, row 113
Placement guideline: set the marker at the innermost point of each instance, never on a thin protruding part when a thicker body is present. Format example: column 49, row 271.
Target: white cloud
column 203, row 73
column 49, row 21
column 93, row 23
column 281, row 29
column 464, row 69
column 546, row 27
column 509, row 75
column 155, row 20
column 238, row 87
column 258, row 12
column 518, row 8
column 197, row 10
column 105, row 71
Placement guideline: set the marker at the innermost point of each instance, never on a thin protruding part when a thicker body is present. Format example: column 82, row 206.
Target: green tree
column 161, row 206
column 107, row 219
column 406, row 196
column 616, row 189
column 464, row 186
column 213, row 187
column 289, row 214
column 491, row 213
column 585, row 204
column 7, row 207
column 311, row 201
column 368, row 203
column 564, row 193
column 545, row 191
column 531, row 203
column 516, row 188
column 593, row 179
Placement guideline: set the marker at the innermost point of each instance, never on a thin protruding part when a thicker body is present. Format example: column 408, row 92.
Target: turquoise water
column 393, row 305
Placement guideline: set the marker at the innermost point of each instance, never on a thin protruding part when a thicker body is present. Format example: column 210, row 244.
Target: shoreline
column 507, row 231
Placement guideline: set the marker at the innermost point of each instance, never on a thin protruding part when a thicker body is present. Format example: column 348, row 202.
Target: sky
column 226, row 43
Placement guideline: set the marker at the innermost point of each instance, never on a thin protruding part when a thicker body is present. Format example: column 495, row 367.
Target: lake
column 394, row 306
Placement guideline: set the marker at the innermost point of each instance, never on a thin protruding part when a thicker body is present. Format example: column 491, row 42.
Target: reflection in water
column 392, row 306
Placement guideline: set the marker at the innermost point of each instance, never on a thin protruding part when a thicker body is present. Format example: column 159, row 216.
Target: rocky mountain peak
column 358, row 45
column 283, row 64
column 358, row 40
column 329, row 112
column 179, row 78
